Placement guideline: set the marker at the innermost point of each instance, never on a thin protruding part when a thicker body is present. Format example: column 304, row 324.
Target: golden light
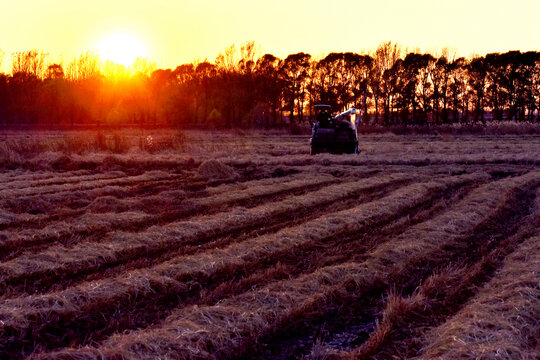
column 121, row 48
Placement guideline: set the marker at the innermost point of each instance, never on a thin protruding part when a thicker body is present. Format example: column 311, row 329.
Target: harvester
column 334, row 134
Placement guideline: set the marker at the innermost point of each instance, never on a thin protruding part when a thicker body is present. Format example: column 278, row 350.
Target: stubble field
column 200, row 246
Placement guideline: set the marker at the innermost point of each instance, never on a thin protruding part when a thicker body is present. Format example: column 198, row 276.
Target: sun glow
column 121, row 48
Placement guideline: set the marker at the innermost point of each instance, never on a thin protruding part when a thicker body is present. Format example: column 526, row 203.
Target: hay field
column 196, row 245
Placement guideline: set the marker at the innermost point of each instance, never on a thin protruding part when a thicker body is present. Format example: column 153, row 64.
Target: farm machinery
column 333, row 134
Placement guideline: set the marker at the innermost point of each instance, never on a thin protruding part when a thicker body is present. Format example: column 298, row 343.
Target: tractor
column 333, row 134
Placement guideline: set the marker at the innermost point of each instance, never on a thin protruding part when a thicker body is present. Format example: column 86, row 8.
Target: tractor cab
column 333, row 134
column 324, row 119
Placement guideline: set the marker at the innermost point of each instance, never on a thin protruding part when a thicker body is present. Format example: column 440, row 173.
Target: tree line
column 389, row 86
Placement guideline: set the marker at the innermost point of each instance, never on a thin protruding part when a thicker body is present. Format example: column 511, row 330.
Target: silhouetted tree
column 383, row 79
column 294, row 72
column 242, row 90
column 477, row 71
column 269, row 85
column 30, row 62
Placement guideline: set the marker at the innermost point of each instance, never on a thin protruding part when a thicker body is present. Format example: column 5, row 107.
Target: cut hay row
column 123, row 197
column 406, row 320
column 63, row 206
column 60, row 179
column 102, row 161
column 17, row 175
column 26, row 317
column 129, row 215
column 52, row 206
column 78, row 199
column 416, row 158
column 232, row 326
column 502, row 320
column 7, row 218
column 59, row 261
column 13, row 243
column 241, row 185
column 176, row 202
column 148, row 176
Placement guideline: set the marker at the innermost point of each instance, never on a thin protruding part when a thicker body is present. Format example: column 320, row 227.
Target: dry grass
column 406, row 319
column 59, row 261
column 134, row 213
column 213, row 264
column 502, row 320
column 260, row 149
column 231, row 326
column 223, row 245
column 78, row 186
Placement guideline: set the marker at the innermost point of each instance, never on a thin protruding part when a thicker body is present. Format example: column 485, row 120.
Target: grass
column 201, row 245
column 214, row 264
column 123, row 246
column 501, row 321
column 289, row 292
column 135, row 214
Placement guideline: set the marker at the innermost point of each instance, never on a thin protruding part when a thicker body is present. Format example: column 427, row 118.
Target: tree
column 29, row 62
column 269, row 84
column 477, row 71
column 359, row 68
column 86, row 66
column 294, row 72
column 242, row 90
column 458, row 95
column 382, row 80
column 144, row 66
column 204, row 73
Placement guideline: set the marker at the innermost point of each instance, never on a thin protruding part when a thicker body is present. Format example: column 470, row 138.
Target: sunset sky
column 175, row 32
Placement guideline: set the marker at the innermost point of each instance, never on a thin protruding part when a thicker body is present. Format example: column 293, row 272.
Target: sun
column 121, row 48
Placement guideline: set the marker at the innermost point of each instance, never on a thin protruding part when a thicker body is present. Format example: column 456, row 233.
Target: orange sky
column 175, row 32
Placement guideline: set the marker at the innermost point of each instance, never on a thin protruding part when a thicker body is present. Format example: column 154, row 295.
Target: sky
column 177, row 32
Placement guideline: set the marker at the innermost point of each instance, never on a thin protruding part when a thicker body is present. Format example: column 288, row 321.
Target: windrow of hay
column 56, row 189
column 7, row 176
column 85, row 224
column 69, row 200
column 502, row 320
column 60, row 179
column 26, row 314
column 7, row 218
column 82, row 198
column 215, row 196
column 233, row 326
column 406, row 320
column 58, row 261
column 127, row 189
column 17, row 203
column 219, row 196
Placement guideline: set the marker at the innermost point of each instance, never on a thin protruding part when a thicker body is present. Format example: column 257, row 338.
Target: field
column 197, row 245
